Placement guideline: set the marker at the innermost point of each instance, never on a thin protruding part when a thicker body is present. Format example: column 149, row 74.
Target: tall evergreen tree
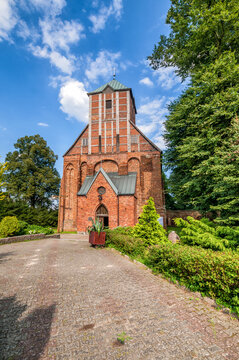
column 148, row 227
column 32, row 176
column 201, row 129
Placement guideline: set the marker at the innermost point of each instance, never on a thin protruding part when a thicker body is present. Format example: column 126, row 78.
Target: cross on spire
column 114, row 74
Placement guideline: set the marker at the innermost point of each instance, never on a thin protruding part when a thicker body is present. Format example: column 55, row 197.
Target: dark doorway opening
column 102, row 215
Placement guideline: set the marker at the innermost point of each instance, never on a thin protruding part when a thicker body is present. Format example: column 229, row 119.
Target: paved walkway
column 61, row 299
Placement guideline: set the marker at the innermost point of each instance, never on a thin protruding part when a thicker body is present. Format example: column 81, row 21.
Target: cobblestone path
column 61, row 299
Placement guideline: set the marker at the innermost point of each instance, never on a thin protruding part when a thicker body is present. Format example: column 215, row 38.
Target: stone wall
column 14, row 239
column 172, row 214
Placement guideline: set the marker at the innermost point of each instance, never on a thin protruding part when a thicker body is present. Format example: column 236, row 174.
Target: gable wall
column 141, row 157
column 87, row 205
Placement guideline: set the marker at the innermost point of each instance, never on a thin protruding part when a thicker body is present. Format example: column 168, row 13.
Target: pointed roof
column 114, row 84
column 121, row 184
column 89, row 181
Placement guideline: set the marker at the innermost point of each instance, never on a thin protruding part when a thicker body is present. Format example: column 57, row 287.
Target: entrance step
column 79, row 237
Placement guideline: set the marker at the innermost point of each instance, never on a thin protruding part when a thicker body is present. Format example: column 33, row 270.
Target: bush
column 124, row 230
column 201, row 233
column 214, row 274
column 148, row 227
column 22, row 227
column 35, row 229
column 125, row 243
column 9, row 226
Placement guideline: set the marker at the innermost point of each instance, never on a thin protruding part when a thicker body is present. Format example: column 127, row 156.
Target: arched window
column 102, row 214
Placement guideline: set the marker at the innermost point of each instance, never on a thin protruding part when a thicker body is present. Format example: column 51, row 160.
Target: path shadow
column 4, row 255
column 27, row 338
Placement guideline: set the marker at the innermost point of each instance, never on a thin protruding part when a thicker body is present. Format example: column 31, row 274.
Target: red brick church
column 112, row 168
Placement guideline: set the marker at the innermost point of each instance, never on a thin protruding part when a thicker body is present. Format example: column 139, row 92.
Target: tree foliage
column 202, row 128
column 41, row 216
column 148, row 227
column 31, row 174
column 201, row 31
column 202, row 133
column 3, row 168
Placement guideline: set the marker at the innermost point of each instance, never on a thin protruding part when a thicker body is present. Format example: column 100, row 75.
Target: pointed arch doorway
column 102, row 214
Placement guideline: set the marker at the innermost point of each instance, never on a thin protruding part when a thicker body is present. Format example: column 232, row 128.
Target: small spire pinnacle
column 114, row 74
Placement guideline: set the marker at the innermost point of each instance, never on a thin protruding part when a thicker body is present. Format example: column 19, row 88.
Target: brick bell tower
column 112, row 168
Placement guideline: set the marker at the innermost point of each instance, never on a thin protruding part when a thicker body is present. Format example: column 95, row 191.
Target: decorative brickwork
column 110, row 141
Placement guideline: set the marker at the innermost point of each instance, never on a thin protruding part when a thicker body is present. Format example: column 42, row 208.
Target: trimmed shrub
column 148, row 227
column 214, row 274
column 9, row 226
column 124, row 230
column 125, row 243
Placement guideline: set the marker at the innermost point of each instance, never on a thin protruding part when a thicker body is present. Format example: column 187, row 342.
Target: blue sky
column 52, row 52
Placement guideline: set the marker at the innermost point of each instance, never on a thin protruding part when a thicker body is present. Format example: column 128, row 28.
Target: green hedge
column 215, row 274
column 125, row 243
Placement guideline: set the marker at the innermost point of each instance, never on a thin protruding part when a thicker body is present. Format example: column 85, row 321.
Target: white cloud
column 8, row 18
column 50, row 7
column 151, row 117
column 58, row 80
column 99, row 20
column 154, row 108
column 66, row 65
column 42, row 124
column 146, row 81
column 159, row 141
column 95, row 3
column 23, row 30
column 103, row 66
column 166, row 77
column 59, row 34
column 74, row 100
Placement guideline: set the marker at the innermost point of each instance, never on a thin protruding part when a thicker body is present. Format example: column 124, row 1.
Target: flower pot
column 97, row 239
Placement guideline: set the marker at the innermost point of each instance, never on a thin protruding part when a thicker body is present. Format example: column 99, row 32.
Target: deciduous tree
column 32, row 176
column 201, row 31
column 201, row 129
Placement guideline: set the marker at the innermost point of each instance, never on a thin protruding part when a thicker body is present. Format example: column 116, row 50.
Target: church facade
column 112, row 168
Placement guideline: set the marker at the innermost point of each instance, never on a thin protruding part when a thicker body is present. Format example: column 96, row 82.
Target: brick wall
column 115, row 143
column 87, row 205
